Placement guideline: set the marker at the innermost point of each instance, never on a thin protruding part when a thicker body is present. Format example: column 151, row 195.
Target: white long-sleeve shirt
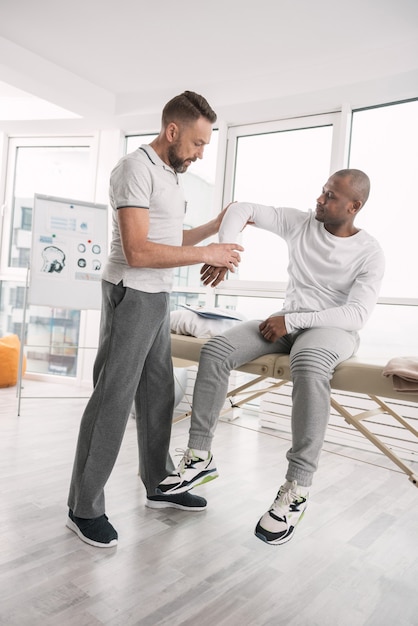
column 333, row 281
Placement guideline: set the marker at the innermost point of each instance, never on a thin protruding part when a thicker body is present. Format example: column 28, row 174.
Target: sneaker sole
column 199, row 480
column 281, row 540
column 72, row 526
column 161, row 504
column 276, row 542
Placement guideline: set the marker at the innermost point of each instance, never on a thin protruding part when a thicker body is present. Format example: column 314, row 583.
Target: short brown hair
column 187, row 107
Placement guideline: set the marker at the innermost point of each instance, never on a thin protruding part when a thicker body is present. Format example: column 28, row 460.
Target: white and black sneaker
column 278, row 525
column 191, row 472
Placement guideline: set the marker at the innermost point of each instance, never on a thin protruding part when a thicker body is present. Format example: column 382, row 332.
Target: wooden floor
column 352, row 562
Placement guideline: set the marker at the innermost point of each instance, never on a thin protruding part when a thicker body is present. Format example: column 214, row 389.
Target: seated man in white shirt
column 335, row 271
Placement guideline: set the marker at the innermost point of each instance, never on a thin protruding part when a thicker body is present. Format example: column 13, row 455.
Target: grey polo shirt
column 141, row 179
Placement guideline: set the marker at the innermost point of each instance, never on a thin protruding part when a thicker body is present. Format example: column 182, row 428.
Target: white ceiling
column 112, row 64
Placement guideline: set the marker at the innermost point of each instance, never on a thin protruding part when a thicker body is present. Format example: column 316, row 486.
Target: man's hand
column 273, row 328
column 214, row 272
column 223, row 255
column 211, row 275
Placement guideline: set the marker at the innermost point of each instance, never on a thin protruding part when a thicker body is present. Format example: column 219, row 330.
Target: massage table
column 356, row 375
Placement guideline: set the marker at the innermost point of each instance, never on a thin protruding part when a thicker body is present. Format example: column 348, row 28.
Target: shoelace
column 285, row 497
column 185, row 461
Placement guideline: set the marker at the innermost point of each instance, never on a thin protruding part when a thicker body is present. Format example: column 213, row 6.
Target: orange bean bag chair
column 9, row 360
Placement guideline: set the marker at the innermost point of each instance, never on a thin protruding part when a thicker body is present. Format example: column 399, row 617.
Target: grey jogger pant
column 133, row 364
column 314, row 354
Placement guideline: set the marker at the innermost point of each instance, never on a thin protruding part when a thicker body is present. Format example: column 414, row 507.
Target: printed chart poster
column 69, row 249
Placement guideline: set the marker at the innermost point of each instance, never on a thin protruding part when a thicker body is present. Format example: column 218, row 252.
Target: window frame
column 383, row 299
column 338, row 121
column 340, row 152
column 19, row 275
column 13, row 144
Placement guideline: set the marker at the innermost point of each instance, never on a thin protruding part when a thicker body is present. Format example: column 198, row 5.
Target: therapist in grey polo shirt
column 133, row 362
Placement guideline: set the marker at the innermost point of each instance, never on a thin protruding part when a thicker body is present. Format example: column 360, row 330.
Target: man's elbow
column 358, row 321
column 134, row 258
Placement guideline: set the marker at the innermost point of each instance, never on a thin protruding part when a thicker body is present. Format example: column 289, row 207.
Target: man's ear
column 171, row 132
column 357, row 206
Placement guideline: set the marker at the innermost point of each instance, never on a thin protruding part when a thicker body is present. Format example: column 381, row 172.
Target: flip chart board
column 69, row 249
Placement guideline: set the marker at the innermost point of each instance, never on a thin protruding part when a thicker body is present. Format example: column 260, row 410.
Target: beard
column 178, row 164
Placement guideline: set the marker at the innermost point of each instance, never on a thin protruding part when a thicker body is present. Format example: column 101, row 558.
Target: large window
column 287, row 163
column 55, row 167
column 384, row 144
column 282, row 164
column 54, row 170
column 282, row 168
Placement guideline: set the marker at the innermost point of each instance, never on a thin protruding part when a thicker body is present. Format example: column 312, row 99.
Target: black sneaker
column 184, row 501
column 97, row 531
column 278, row 525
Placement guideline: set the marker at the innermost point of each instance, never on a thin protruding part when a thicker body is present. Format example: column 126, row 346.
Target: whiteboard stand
column 22, row 342
column 77, row 232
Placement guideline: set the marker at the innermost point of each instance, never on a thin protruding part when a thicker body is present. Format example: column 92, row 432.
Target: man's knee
column 216, row 349
column 318, row 362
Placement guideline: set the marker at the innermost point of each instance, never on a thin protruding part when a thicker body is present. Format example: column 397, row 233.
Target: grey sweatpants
column 314, row 354
column 133, row 364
